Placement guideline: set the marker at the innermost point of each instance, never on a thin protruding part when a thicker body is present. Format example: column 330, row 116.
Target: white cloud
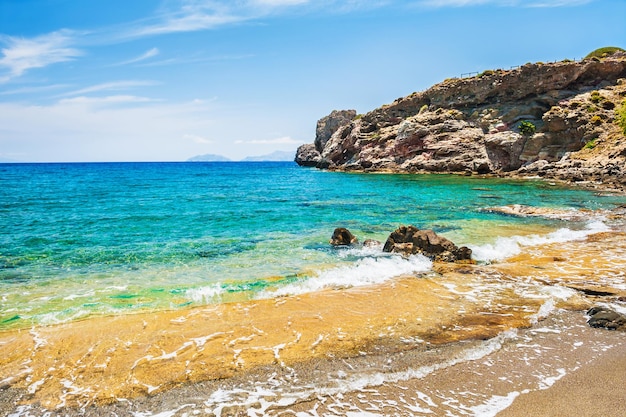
column 111, row 86
column 34, row 90
column 107, row 129
column 194, row 15
column 503, row 3
column 285, row 140
column 197, row 139
column 121, row 99
column 21, row 54
column 146, row 55
column 277, row 3
column 191, row 16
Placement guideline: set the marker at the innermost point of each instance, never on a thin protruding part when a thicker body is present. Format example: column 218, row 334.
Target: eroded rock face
column 328, row 125
column 473, row 125
column 409, row 240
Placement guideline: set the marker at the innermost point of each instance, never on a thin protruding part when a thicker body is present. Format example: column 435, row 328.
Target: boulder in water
column 343, row 237
column 409, row 240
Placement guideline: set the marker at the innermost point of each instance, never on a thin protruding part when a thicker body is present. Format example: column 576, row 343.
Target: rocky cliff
column 555, row 120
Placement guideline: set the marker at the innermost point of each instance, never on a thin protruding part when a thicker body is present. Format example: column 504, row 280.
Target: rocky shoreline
column 561, row 121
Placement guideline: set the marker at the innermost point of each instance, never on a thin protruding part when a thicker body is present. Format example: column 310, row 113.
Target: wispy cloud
column 502, row 3
column 146, row 55
column 96, row 129
column 34, row 90
column 285, row 140
column 195, row 15
column 110, row 86
column 119, row 99
column 21, row 55
column 191, row 15
column 196, row 60
column 197, row 139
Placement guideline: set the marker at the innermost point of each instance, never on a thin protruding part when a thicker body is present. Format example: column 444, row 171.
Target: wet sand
column 598, row 389
column 559, row 367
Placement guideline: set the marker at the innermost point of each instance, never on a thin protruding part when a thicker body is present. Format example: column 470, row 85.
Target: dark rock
column 308, row 156
column 409, row 240
column 342, row 237
column 371, row 243
column 603, row 317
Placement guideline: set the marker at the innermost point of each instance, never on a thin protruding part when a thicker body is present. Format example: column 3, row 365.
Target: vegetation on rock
column 604, row 52
column 591, row 144
column 526, row 128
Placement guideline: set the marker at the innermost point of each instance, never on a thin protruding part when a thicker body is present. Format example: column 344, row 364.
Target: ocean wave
column 365, row 271
column 505, row 247
column 205, row 294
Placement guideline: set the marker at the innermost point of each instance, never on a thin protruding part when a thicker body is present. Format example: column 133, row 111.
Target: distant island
column 209, row 157
column 277, row 156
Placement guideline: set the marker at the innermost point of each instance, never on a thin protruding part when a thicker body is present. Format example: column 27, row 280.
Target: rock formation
column 602, row 317
column 554, row 120
column 342, row 237
column 409, row 240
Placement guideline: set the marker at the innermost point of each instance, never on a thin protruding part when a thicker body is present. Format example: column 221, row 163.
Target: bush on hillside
column 604, row 52
column 526, row 128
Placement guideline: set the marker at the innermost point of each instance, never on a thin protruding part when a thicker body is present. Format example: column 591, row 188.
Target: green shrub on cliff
column 526, row 128
column 604, row 52
column 591, row 144
column 596, row 97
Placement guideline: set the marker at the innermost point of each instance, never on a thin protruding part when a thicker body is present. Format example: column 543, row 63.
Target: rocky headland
column 563, row 120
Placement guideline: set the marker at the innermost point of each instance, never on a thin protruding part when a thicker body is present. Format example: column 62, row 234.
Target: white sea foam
column 548, row 381
column 205, row 294
column 494, row 405
column 505, row 247
column 365, row 271
column 260, row 399
column 618, row 308
column 343, row 383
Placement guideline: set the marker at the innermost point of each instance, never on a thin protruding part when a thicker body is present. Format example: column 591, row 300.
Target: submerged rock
column 409, row 240
column 342, row 237
column 603, row 317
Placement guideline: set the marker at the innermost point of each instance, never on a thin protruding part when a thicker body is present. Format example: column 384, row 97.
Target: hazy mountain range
column 277, row 156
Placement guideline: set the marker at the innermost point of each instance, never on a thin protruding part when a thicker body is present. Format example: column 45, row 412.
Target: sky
column 165, row 80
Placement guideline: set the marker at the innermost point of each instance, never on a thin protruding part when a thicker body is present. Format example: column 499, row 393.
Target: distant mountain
column 208, row 158
column 278, row 156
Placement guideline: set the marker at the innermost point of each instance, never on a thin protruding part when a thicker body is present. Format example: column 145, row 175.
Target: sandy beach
column 598, row 389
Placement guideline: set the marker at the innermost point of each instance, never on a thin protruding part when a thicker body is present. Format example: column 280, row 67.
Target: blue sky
column 151, row 80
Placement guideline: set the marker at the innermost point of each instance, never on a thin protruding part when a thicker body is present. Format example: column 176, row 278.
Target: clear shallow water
column 84, row 239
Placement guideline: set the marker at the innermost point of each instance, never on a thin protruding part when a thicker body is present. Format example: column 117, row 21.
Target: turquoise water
column 87, row 239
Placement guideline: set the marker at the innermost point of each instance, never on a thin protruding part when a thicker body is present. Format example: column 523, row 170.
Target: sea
column 85, row 243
